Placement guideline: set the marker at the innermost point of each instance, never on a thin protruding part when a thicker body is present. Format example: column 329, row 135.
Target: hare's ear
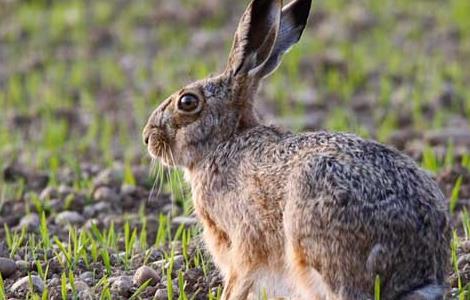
column 255, row 37
column 293, row 20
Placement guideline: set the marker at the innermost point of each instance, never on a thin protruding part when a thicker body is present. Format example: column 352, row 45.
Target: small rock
column 161, row 294
column 104, row 193
column 178, row 262
column 7, row 267
column 64, row 191
column 80, row 286
column 30, row 221
column 48, row 193
column 128, row 189
column 121, row 285
column 24, row 284
column 22, row 265
column 444, row 136
column 145, row 273
column 87, row 277
column 95, row 209
column 463, row 260
column 110, row 177
column 182, row 220
column 154, row 254
column 54, row 282
column 465, row 245
column 69, row 217
column 171, row 209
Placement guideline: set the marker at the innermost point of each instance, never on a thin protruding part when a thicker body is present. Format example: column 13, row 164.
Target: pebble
column 7, row 267
column 69, row 217
column 178, row 262
column 95, row 209
column 182, row 220
column 465, row 245
column 106, row 194
column 87, row 277
column 145, row 273
column 24, row 284
column 22, row 265
column 30, row 221
column 48, row 193
column 161, row 294
column 80, row 286
column 128, row 189
column 444, row 136
column 121, row 285
column 109, row 177
column 64, row 191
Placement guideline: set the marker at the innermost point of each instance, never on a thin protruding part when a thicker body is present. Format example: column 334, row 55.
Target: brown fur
column 310, row 216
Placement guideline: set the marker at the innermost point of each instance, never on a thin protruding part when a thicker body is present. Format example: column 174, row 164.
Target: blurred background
column 78, row 80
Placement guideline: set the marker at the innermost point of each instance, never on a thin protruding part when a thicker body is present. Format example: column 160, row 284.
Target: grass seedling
column 63, row 286
column 143, row 234
column 377, row 288
column 14, row 241
column 454, row 198
column 140, row 290
column 163, row 231
column 44, row 232
column 466, row 223
column 181, row 286
column 41, row 272
column 72, row 285
column 65, row 251
column 2, row 289
column 185, row 239
column 45, row 294
column 169, row 284
column 106, row 261
column 430, row 161
column 129, row 241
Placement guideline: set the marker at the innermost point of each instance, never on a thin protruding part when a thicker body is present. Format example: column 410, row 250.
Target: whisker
column 154, row 172
column 178, row 177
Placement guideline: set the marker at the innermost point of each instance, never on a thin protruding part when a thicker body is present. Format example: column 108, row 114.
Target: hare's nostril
column 146, row 140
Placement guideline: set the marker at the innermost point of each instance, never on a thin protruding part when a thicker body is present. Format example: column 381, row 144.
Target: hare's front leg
column 237, row 286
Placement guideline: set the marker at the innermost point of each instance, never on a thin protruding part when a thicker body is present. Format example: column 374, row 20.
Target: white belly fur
column 273, row 285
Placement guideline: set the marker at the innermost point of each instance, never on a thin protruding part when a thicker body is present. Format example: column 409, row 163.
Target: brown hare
column 314, row 215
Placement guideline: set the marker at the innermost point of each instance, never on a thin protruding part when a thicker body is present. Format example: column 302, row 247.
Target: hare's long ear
column 293, row 20
column 255, row 37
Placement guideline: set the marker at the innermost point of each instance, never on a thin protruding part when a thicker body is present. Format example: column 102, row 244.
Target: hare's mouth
column 159, row 148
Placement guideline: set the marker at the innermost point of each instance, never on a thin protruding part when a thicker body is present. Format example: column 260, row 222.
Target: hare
column 315, row 215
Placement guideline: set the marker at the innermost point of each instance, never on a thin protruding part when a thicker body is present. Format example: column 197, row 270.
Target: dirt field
column 83, row 208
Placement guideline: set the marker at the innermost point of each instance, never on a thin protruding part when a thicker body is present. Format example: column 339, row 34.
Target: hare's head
column 194, row 120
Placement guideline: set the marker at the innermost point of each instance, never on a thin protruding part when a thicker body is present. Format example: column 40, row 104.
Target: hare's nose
column 147, row 132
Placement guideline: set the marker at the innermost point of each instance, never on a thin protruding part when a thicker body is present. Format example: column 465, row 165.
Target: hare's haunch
column 309, row 216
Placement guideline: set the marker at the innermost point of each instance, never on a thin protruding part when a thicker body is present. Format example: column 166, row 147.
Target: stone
column 30, row 221
column 145, row 273
column 121, row 285
column 87, row 277
column 112, row 177
column 183, row 220
column 69, row 217
column 48, row 193
column 95, row 209
column 106, row 194
column 7, row 267
column 24, row 284
column 161, row 294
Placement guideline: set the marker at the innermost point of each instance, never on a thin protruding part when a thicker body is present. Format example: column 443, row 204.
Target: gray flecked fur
column 322, row 213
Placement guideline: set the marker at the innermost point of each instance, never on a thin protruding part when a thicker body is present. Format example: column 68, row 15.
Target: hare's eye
column 188, row 103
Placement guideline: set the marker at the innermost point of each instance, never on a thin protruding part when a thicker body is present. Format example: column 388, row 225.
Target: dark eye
column 188, row 103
